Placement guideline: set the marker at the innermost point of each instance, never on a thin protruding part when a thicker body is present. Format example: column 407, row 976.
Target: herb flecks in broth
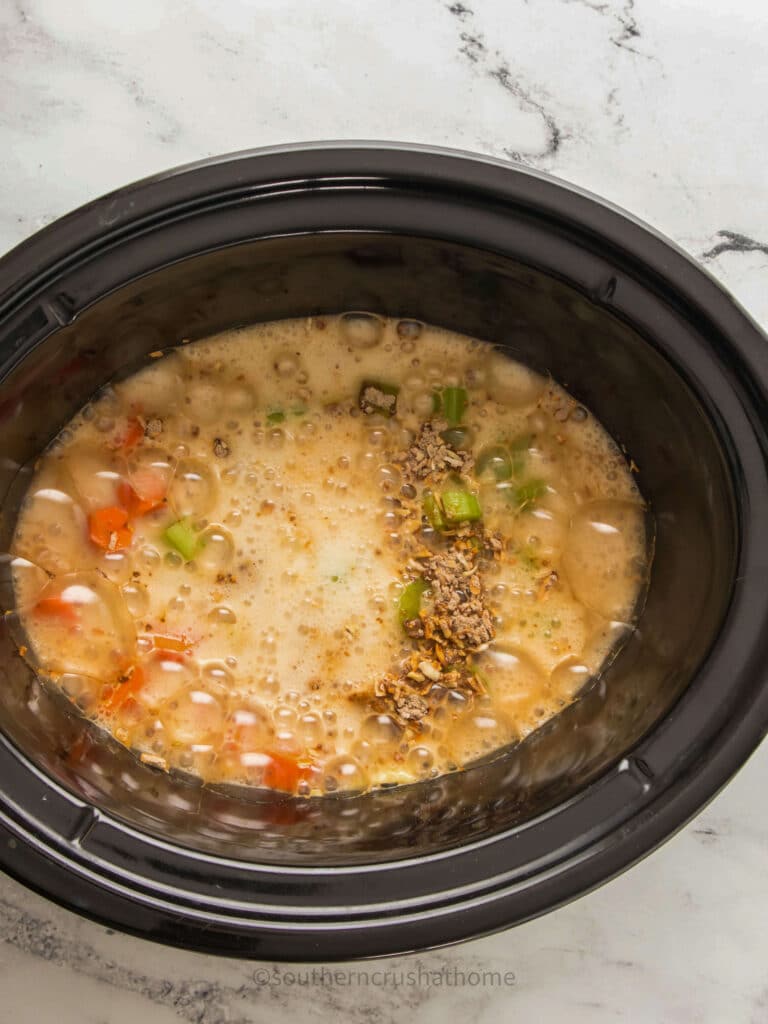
column 328, row 554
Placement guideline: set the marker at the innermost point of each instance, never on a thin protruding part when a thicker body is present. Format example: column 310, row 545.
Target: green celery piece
column 461, row 506
column 183, row 538
column 433, row 512
column 454, row 405
column 409, row 604
column 518, row 448
column 521, row 443
column 528, row 493
column 276, row 416
column 472, row 666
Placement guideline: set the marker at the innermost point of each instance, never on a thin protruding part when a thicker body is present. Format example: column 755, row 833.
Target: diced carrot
column 129, row 687
column 56, row 607
column 149, row 484
column 168, row 642
column 79, row 749
column 130, row 436
column 133, row 504
column 107, row 528
column 286, row 773
column 281, row 773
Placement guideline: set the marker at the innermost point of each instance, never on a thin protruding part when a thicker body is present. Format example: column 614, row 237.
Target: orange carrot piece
column 79, row 749
column 56, row 607
column 133, row 682
column 149, row 485
column 133, row 504
column 131, row 435
column 167, row 642
column 286, row 773
column 107, row 528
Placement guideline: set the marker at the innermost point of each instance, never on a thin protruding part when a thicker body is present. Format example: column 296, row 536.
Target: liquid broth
column 328, row 554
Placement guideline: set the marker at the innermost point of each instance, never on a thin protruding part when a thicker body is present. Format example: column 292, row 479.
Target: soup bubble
column 485, row 731
column 602, row 641
column 217, row 549
column 420, row 760
column 165, row 673
column 116, row 565
column 364, row 751
column 193, row 488
column 205, row 401
column 91, row 608
column 82, row 690
column 150, row 557
column 540, row 528
column 409, row 329
column 603, row 545
column 194, row 716
column 136, row 599
column 249, row 726
column 217, row 675
column 149, row 473
column 381, row 730
column 240, row 399
column 344, row 773
column 286, row 364
column 512, row 384
column 512, row 671
column 568, row 678
column 62, row 550
column 310, row 728
column 155, row 390
column 362, row 330
column 28, row 580
column 222, row 616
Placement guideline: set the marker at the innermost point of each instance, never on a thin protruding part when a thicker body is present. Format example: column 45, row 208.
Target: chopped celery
column 518, row 448
column 433, row 512
column 521, row 443
column 181, row 536
column 461, row 506
column 276, row 416
column 454, row 405
column 494, row 460
column 409, row 604
column 528, row 493
column 480, row 675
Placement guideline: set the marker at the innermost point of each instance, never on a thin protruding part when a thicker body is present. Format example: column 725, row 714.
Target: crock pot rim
column 106, row 219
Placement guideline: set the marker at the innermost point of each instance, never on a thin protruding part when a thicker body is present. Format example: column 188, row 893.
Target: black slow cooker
column 670, row 364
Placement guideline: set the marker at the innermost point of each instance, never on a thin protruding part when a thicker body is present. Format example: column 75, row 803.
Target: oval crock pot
column 665, row 358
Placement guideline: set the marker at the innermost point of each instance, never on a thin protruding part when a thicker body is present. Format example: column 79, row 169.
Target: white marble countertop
column 658, row 105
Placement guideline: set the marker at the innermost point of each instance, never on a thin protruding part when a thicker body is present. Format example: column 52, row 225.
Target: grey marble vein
column 261, row 988
column 734, row 241
column 196, row 1000
column 531, row 98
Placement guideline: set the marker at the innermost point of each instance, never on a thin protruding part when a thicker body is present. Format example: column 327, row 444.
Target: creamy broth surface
column 325, row 554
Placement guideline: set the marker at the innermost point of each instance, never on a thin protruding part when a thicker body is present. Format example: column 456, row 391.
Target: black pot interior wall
column 630, row 386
